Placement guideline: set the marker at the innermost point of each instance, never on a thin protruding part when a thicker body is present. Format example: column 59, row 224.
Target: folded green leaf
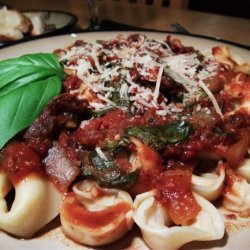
column 27, row 84
column 21, row 106
column 20, row 71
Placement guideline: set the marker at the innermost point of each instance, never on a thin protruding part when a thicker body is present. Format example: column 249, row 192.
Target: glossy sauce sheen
column 75, row 212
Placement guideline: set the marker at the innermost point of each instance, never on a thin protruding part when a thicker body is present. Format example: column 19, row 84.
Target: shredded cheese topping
column 132, row 71
column 100, row 153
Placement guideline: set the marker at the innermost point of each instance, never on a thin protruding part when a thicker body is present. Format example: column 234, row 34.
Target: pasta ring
column 36, row 203
column 154, row 223
column 237, row 198
column 209, row 185
column 96, row 216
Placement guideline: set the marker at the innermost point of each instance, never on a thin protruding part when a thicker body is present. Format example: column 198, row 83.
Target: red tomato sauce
column 230, row 178
column 19, row 161
column 173, row 191
column 122, row 161
column 71, row 82
column 96, row 130
column 75, row 212
column 112, row 124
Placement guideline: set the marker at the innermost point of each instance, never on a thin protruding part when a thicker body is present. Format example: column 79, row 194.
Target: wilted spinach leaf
column 159, row 136
column 107, row 173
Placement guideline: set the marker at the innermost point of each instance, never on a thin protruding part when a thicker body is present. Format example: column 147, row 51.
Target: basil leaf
column 126, row 181
column 20, row 71
column 107, row 173
column 20, row 107
column 27, row 84
column 100, row 113
column 161, row 135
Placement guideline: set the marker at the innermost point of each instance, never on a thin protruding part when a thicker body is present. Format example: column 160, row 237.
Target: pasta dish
column 138, row 132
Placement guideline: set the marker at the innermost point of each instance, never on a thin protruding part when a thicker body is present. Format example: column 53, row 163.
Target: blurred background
column 226, row 19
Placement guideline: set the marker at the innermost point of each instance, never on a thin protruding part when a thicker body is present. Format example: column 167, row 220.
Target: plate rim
column 57, row 33
column 125, row 27
column 242, row 54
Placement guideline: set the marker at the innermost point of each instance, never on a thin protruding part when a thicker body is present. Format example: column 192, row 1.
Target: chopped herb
column 120, row 100
column 102, row 112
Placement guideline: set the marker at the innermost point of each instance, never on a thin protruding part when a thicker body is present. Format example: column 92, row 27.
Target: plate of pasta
column 124, row 140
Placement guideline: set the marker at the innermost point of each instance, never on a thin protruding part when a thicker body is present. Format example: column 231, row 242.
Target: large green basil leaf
column 23, row 70
column 20, row 107
column 27, row 84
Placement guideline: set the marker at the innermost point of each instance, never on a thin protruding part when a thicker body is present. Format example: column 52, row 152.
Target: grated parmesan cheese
column 158, row 83
column 101, row 154
column 97, row 64
column 146, row 56
column 212, row 98
column 184, row 69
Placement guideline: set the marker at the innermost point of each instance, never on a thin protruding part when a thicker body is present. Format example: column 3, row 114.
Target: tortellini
column 157, row 232
column 230, row 59
column 144, row 156
column 244, row 169
column 237, row 198
column 209, row 185
column 96, row 216
column 36, row 203
column 148, row 161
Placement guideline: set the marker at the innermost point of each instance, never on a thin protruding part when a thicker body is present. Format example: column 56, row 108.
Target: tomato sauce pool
column 77, row 213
